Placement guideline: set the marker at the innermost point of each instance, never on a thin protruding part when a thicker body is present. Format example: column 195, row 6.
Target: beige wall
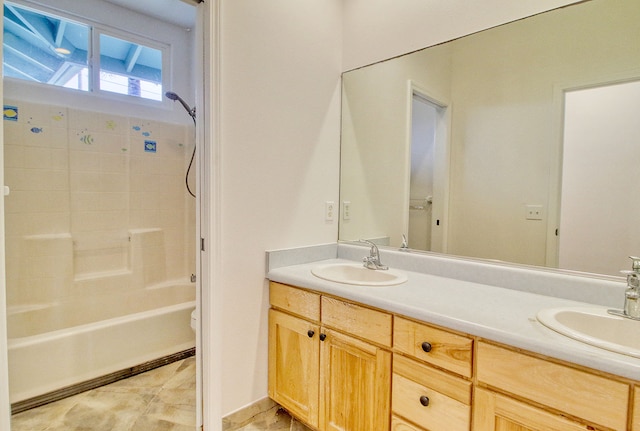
column 375, row 30
column 375, row 142
column 280, row 114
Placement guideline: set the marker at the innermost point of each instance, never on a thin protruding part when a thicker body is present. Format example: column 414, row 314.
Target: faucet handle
column 635, row 263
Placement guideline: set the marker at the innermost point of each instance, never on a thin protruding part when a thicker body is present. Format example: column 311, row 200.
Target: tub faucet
column 632, row 294
column 373, row 260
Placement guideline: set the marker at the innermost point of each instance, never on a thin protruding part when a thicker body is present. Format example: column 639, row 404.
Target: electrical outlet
column 346, row 210
column 329, row 209
column 534, row 212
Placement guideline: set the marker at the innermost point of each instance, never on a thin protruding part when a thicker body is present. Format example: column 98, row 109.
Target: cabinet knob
column 323, row 337
column 424, row 400
column 426, row 346
column 310, row 333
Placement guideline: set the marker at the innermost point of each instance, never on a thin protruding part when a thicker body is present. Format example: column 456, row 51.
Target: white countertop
column 503, row 315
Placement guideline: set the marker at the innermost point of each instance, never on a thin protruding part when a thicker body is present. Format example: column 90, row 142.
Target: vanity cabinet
column 560, row 391
column 343, row 346
column 338, row 365
column 635, row 421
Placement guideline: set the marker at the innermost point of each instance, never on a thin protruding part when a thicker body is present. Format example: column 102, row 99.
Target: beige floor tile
column 160, row 399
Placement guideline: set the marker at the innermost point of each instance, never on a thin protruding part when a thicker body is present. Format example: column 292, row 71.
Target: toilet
column 194, row 319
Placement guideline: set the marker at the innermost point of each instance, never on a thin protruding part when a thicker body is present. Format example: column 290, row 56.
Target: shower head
column 174, row 96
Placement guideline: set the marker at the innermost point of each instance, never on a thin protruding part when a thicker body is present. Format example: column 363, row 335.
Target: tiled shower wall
column 82, row 185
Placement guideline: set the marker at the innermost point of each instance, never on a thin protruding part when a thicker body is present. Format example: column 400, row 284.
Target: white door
column 601, row 150
column 423, row 132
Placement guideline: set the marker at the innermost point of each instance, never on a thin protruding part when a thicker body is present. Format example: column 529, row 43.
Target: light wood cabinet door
column 355, row 384
column 635, row 424
column 294, row 365
column 495, row 412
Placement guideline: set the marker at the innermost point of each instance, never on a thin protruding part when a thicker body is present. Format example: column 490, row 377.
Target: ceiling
column 178, row 12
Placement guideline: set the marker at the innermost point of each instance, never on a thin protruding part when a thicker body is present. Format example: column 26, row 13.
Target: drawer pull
column 310, row 333
column 424, row 400
column 323, row 337
column 426, row 346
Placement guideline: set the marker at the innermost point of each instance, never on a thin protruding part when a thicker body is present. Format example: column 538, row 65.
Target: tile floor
column 275, row 419
column 158, row 400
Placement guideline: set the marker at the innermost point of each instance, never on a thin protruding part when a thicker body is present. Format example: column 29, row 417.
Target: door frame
column 442, row 164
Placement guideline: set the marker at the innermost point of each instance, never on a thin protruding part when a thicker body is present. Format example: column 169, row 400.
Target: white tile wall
column 87, row 175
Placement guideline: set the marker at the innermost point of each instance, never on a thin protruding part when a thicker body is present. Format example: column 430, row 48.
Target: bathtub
column 53, row 346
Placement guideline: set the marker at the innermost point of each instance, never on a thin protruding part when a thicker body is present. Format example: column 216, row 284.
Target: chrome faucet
column 373, row 260
column 405, row 244
column 632, row 294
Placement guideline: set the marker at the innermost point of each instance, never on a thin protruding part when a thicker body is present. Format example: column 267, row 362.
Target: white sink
column 356, row 273
column 595, row 326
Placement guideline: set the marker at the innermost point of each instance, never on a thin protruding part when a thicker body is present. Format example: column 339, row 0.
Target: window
column 130, row 68
column 41, row 47
column 44, row 48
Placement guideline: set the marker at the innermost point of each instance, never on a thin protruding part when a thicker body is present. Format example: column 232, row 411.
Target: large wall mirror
column 517, row 144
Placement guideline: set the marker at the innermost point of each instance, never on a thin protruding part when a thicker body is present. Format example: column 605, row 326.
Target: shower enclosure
column 99, row 245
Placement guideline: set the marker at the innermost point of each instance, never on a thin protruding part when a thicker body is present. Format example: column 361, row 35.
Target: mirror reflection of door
column 427, row 198
column 423, row 132
column 599, row 219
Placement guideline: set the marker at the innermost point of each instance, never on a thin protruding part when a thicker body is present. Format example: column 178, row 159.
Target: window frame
column 97, row 29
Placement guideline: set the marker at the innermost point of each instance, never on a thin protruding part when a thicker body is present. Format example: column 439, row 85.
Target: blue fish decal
column 146, row 134
column 36, row 130
column 136, row 128
column 150, row 146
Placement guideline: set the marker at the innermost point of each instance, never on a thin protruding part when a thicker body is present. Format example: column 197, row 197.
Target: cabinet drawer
column 430, row 398
column 357, row 320
column 578, row 393
column 399, row 424
column 296, row 301
column 446, row 350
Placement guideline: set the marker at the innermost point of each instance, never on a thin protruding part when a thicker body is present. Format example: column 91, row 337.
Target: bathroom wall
column 85, row 188
column 375, row 161
column 375, row 30
column 279, row 104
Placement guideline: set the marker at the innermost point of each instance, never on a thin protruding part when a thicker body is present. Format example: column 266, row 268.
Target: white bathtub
column 53, row 346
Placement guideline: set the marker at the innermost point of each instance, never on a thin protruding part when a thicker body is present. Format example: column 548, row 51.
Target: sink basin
column 356, row 273
column 594, row 326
